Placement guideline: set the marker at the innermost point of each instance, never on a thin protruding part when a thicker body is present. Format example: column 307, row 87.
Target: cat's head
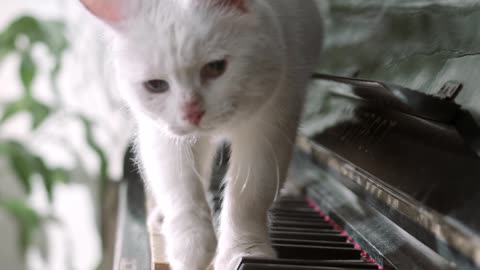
column 192, row 66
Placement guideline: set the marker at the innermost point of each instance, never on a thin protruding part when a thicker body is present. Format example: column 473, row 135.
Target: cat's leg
column 204, row 161
column 261, row 152
column 172, row 173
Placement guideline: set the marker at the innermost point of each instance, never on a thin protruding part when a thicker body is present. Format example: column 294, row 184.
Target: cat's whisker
column 247, row 178
column 236, row 177
column 277, row 166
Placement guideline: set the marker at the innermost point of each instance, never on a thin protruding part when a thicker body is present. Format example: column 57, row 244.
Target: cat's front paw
column 229, row 255
column 191, row 243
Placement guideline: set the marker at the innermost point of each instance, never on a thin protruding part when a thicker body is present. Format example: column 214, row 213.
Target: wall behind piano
column 420, row 44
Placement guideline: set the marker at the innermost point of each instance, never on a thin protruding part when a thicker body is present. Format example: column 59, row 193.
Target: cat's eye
column 213, row 70
column 156, row 86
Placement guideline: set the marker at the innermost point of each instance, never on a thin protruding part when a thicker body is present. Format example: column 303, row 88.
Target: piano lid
column 419, row 45
column 410, row 162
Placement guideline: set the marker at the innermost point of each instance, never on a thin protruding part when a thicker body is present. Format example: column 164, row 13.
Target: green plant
column 19, row 39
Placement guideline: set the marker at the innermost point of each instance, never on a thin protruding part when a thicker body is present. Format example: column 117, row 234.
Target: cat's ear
column 111, row 11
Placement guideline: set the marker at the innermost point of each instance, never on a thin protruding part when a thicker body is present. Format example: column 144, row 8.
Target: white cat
column 197, row 71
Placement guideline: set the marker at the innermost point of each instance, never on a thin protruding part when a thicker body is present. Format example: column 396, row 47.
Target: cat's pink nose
column 193, row 112
column 194, row 117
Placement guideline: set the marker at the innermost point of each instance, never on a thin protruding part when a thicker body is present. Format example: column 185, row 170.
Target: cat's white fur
column 272, row 48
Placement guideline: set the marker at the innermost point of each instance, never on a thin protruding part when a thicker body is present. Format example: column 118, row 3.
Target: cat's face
column 194, row 68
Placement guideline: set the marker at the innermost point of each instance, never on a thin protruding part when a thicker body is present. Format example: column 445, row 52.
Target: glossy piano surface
column 418, row 166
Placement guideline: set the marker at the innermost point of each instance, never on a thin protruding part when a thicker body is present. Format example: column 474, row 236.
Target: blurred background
column 63, row 134
column 64, row 131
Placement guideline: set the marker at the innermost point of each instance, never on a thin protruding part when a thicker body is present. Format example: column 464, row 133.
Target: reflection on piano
column 391, row 180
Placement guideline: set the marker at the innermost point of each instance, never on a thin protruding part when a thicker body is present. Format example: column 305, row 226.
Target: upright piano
column 386, row 171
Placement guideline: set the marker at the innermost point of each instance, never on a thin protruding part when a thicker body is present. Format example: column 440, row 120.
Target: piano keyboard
column 303, row 237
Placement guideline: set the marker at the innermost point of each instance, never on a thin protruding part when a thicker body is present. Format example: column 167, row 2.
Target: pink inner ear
column 107, row 10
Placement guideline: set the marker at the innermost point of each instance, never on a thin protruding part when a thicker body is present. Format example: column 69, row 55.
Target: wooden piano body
column 390, row 165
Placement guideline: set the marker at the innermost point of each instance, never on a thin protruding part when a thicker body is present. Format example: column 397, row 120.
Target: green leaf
column 4, row 51
column 25, row 164
column 54, row 32
column 54, row 76
column 59, row 175
column 27, row 72
column 48, row 32
column 48, row 182
column 97, row 149
column 21, row 161
column 27, row 220
column 12, row 109
column 24, row 25
column 39, row 112
column 7, row 42
column 50, row 177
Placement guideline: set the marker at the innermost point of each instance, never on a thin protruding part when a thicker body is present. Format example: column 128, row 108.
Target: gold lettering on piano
column 350, row 172
column 430, row 220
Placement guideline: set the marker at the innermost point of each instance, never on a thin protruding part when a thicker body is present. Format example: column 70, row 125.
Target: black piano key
column 344, row 264
column 303, row 252
column 300, row 224
column 311, row 243
column 317, row 219
column 293, row 214
column 309, row 230
column 292, row 202
column 298, row 218
column 301, row 209
column 290, row 205
column 308, row 236
column 305, row 213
